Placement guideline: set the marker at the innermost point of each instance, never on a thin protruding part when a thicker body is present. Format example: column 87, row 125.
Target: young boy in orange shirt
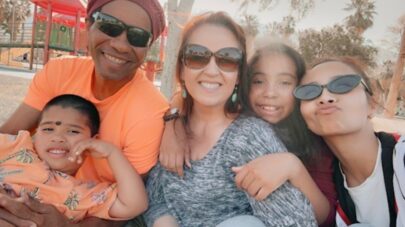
column 43, row 168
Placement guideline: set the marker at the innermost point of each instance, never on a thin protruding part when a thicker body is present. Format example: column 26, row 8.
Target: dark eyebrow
column 75, row 126
column 46, row 123
column 54, row 123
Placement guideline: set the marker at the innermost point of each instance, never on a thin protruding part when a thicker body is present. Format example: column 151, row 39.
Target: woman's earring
column 183, row 90
column 234, row 94
column 184, row 93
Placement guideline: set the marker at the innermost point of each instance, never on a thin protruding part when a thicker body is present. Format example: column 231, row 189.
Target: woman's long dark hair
column 292, row 130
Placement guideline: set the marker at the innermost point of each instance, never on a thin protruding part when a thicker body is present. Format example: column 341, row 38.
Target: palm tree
column 178, row 13
column 12, row 14
column 391, row 102
column 362, row 19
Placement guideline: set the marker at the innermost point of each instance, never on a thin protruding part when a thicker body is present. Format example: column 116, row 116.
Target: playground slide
column 13, row 56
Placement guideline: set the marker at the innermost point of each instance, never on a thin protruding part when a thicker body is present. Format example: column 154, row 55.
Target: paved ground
column 14, row 83
column 12, row 91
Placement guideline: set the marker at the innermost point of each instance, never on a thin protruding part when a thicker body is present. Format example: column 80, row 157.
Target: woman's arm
column 265, row 174
column 131, row 196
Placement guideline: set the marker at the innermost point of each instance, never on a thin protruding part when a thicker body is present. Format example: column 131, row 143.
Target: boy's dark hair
column 80, row 104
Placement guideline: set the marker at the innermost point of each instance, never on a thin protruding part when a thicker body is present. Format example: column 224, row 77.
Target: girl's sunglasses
column 113, row 27
column 227, row 59
column 340, row 85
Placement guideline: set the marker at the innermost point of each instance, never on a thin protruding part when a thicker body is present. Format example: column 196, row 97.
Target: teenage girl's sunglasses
column 340, row 85
column 227, row 59
column 113, row 27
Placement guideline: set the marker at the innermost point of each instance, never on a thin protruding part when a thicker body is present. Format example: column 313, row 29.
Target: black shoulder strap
column 388, row 142
column 345, row 201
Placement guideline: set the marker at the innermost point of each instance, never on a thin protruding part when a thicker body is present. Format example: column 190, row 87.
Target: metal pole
column 34, row 25
column 48, row 33
column 12, row 32
column 77, row 33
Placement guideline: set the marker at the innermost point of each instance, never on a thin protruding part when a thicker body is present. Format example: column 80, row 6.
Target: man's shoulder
column 61, row 69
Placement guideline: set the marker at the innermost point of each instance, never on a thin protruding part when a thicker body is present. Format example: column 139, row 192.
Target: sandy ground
column 12, row 92
column 13, row 89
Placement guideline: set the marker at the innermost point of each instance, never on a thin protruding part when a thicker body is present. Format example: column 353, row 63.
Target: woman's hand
column 174, row 149
column 263, row 175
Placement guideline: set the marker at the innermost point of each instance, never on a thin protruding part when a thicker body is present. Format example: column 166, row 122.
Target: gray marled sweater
column 207, row 195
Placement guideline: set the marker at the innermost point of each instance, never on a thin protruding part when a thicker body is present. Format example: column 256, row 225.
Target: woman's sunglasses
column 340, row 85
column 113, row 27
column 227, row 59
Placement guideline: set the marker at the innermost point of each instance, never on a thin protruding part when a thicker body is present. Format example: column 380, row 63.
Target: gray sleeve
column 157, row 203
column 252, row 138
column 286, row 206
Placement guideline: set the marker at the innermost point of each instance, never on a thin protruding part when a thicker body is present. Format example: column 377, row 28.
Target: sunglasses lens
column 228, row 59
column 113, row 27
column 110, row 29
column 196, row 57
column 344, row 84
column 308, row 91
column 138, row 37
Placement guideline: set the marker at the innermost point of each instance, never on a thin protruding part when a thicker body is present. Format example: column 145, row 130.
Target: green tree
column 250, row 23
column 362, row 17
column 335, row 41
column 299, row 8
column 283, row 29
column 12, row 14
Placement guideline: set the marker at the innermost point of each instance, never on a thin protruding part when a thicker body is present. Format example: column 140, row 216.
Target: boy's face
column 59, row 130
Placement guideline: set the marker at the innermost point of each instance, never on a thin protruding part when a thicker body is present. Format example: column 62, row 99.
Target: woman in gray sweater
column 211, row 69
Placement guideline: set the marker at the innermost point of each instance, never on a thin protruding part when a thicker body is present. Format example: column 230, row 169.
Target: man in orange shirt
column 131, row 109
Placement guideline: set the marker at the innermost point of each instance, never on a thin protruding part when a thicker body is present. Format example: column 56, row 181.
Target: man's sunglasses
column 340, row 85
column 227, row 59
column 113, row 27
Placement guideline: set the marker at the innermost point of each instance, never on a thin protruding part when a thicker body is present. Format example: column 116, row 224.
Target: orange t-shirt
column 132, row 118
column 21, row 170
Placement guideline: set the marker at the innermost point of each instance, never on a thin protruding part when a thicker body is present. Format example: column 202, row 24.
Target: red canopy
column 67, row 7
column 66, row 20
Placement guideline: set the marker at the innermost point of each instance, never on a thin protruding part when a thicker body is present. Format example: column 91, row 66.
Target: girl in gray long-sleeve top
column 211, row 69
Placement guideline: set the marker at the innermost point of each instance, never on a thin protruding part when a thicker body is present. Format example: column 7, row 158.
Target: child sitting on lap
column 43, row 168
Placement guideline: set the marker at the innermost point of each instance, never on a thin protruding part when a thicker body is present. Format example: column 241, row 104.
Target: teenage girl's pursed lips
column 326, row 109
